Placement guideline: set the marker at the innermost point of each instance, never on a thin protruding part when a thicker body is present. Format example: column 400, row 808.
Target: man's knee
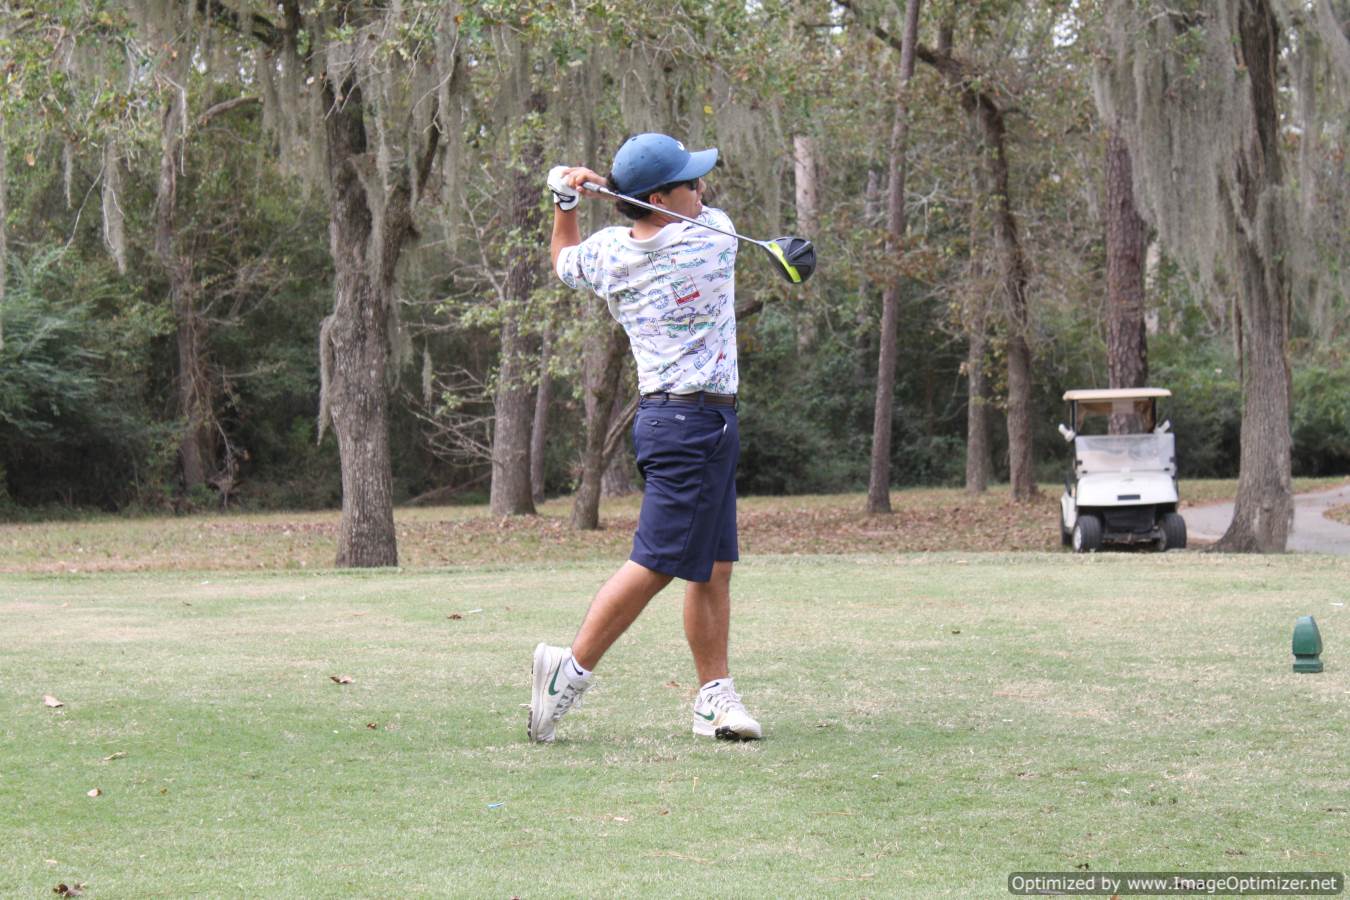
column 721, row 571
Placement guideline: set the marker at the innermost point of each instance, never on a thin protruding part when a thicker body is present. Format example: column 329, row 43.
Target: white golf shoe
column 553, row 693
column 719, row 713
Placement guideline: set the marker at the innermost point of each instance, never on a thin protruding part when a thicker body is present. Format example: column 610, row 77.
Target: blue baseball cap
column 647, row 161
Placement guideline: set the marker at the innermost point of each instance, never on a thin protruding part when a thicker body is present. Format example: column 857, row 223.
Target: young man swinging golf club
column 671, row 284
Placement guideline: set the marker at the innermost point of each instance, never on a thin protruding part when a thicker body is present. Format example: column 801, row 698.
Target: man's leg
column 707, row 622
column 614, row 608
column 718, row 710
column 558, row 683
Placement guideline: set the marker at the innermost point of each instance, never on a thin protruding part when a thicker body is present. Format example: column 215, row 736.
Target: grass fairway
column 934, row 722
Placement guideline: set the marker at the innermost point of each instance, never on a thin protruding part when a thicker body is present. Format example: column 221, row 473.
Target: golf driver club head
column 796, row 258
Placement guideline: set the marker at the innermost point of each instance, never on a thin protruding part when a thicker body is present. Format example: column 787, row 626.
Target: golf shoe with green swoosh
column 553, row 693
column 719, row 713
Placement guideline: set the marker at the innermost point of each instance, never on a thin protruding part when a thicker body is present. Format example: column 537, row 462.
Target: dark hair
column 637, row 213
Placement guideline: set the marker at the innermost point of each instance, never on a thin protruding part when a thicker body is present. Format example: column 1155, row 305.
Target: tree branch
column 256, row 25
column 224, row 107
column 618, row 427
column 950, row 67
column 433, row 140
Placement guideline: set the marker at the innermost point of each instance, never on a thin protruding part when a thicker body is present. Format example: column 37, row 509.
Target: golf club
column 796, row 257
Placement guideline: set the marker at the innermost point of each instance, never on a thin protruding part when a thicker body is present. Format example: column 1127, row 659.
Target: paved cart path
column 1313, row 532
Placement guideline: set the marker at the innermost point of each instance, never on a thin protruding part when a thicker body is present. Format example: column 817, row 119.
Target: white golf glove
column 564, row 195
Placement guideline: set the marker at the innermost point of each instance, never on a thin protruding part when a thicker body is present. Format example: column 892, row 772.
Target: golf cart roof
column 1118, row 394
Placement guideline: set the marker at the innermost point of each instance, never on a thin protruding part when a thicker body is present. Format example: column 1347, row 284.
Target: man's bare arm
column 566, row 230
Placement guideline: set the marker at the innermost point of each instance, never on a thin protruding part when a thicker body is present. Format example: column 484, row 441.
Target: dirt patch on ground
column 921, row 521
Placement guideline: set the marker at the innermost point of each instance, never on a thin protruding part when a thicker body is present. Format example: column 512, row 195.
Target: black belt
column 697, row 397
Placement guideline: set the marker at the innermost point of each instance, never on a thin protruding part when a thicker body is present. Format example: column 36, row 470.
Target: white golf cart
column 1123, row 487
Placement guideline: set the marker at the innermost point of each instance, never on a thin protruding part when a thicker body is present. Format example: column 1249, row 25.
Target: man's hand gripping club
column 565, row 184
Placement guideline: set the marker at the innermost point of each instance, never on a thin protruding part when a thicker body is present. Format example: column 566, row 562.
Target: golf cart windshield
column 1124, row 453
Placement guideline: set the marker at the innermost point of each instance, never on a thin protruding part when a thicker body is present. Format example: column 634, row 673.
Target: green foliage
column 1322, row 418
column 74, row 421
column 1206, row 404
column 798, row 422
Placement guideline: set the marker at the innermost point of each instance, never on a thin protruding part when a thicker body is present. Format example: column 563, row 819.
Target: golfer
column 672, row 286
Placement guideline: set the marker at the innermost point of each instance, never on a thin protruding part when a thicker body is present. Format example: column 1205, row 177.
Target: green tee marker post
column 1307, row 645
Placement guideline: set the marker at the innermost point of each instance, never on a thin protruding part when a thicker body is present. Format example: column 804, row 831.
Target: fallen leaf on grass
column 120, row 754
column 49, row 700
column 956, row 631
column 69, row 890
column 341, row 679
column 455, row 616
column 1083, row 866
column 95, row 793
column 673, row 684
column 373, row 725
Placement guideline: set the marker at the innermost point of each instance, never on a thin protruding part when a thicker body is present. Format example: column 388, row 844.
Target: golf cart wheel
column 1087, row 534
column 1174, row 532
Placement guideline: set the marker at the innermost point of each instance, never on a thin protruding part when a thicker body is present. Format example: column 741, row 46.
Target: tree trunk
column 602, row 371
column 988, row 120
column 197, row 448
column 863, row 322
column 355, row 339
column 4, row 214
column 805, row 181
column 1264, row 508
column 804, row 171
column 879, row 476
column 1126, row 336
column 620, row 478
column 979, row 461
column 539, row 429
column 511, row 493
column 196, row 452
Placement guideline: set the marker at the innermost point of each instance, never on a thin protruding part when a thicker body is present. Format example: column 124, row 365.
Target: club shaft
column 599, row 189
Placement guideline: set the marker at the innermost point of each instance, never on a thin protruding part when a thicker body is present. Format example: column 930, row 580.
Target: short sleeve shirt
column 675, row 295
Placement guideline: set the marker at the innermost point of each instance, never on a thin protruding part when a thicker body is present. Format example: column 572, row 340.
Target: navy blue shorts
column 687, row 456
